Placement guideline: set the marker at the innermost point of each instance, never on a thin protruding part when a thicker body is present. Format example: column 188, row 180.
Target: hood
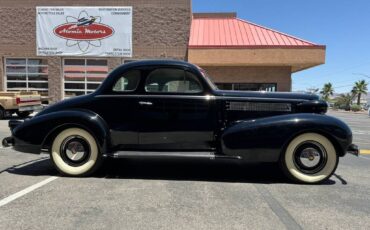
column 259, row 94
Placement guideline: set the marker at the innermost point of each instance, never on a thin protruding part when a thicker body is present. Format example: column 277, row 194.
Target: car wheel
column 23, row 114
column 309, row 158
column 75, row 152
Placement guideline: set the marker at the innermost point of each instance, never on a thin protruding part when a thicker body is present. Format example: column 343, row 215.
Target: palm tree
column 327, row 91
column 359, row 88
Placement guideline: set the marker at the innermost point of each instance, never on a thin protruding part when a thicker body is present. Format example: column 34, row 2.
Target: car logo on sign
column 84, row 31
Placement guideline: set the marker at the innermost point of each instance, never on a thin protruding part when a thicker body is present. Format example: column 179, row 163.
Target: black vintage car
column 162, row 108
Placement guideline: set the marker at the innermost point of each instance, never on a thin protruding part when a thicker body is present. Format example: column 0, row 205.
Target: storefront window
column 26, row 74
column 83, row 76
column 269, row 87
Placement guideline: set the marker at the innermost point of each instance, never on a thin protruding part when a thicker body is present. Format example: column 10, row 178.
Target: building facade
column 242, row 55
column 160, row 29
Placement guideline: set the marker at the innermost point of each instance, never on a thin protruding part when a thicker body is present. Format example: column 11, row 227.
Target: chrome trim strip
column 175, row 154
column 129, row 154
column 207, row 97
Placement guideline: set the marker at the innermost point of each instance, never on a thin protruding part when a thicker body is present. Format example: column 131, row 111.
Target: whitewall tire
column 75, row 152
column 309, row 158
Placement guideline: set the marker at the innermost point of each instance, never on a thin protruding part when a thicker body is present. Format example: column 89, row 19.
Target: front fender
column 39, row 132
column 264, row 139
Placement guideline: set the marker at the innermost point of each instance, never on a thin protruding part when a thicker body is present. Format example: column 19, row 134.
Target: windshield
column 208, row 79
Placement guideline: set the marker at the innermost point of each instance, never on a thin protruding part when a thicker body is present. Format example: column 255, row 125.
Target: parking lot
column 158, row 194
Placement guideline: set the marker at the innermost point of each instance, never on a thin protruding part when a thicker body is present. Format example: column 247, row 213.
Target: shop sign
column 84, row 31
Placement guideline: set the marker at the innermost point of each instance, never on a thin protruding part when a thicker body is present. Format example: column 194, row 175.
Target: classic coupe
column 163, row 108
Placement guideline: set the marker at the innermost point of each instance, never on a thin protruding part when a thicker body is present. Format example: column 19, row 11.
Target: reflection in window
column 83, row 76
column 166, row 80
column 26, row 74
column 128, row 82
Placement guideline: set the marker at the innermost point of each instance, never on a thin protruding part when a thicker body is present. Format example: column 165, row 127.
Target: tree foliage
column 327, row 91
column 359, row 88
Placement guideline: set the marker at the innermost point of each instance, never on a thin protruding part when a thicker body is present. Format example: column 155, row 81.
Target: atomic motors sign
column 84, row 31
column 71, row 31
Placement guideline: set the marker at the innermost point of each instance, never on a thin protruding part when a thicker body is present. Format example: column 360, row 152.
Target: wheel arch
column 86, row 120
column 338, row 148
column 48, row 140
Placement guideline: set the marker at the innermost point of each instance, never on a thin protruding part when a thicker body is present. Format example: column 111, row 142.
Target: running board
column 147, row 154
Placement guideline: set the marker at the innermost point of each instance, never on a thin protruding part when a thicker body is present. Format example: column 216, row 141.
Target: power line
column 343, row 70
column 336, row 82
column 342, row 86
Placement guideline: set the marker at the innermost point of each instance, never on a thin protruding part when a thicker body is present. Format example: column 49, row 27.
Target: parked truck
column 21, row 103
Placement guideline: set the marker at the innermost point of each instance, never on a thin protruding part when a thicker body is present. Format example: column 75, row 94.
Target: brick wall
column 262, row 74
column 160, row 30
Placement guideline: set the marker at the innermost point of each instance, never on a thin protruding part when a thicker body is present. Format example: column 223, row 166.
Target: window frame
column 85, row 82
column 127, row 91
column 27, row 74
column 185, row 70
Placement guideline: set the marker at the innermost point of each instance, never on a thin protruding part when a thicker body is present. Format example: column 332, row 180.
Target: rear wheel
column 309, row 158
column 75, row 152
column 23, row 114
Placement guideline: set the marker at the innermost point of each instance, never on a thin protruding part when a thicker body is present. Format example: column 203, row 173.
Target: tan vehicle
column 21, row 103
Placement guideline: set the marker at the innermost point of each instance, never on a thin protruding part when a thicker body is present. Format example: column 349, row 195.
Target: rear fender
column 264, row 139
column 41, row 130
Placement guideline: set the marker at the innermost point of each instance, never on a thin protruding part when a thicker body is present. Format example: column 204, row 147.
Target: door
column 175, row 113
column 119, row 109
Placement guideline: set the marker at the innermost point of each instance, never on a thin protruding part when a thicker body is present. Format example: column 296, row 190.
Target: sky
column 342, row 25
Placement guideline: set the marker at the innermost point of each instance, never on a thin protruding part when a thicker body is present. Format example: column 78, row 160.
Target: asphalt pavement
column 169, row 194
column 360, row 126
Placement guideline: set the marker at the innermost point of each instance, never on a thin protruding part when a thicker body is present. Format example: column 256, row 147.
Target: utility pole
column 361, row 74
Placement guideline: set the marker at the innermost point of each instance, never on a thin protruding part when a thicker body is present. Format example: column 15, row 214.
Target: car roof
column 154, row 62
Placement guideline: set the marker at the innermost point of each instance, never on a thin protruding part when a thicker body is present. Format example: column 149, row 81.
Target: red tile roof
column 225, row 32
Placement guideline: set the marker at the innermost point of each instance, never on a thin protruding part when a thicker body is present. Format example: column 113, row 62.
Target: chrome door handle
column 145, row 103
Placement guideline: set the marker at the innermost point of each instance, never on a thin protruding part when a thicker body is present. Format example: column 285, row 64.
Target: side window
column 194, row 86
column 167, row 80
column 128, row 82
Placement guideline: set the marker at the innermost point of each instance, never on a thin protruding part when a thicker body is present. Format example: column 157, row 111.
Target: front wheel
column 309, row 158
column 75, row 152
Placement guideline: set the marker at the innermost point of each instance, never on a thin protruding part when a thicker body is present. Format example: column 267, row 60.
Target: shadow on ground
column 180, row 170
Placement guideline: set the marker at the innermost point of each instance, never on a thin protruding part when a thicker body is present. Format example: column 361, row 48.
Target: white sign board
column 84, row 31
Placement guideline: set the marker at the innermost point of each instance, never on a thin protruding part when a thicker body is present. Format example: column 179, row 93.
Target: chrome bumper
column 354, row 150
column 8, row 141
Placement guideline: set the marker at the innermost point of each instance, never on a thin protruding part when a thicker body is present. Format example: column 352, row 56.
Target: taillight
column 18, row 100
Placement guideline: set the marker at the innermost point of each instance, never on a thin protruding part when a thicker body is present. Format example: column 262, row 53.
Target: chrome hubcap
column 310, row 157
column 75, row 151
